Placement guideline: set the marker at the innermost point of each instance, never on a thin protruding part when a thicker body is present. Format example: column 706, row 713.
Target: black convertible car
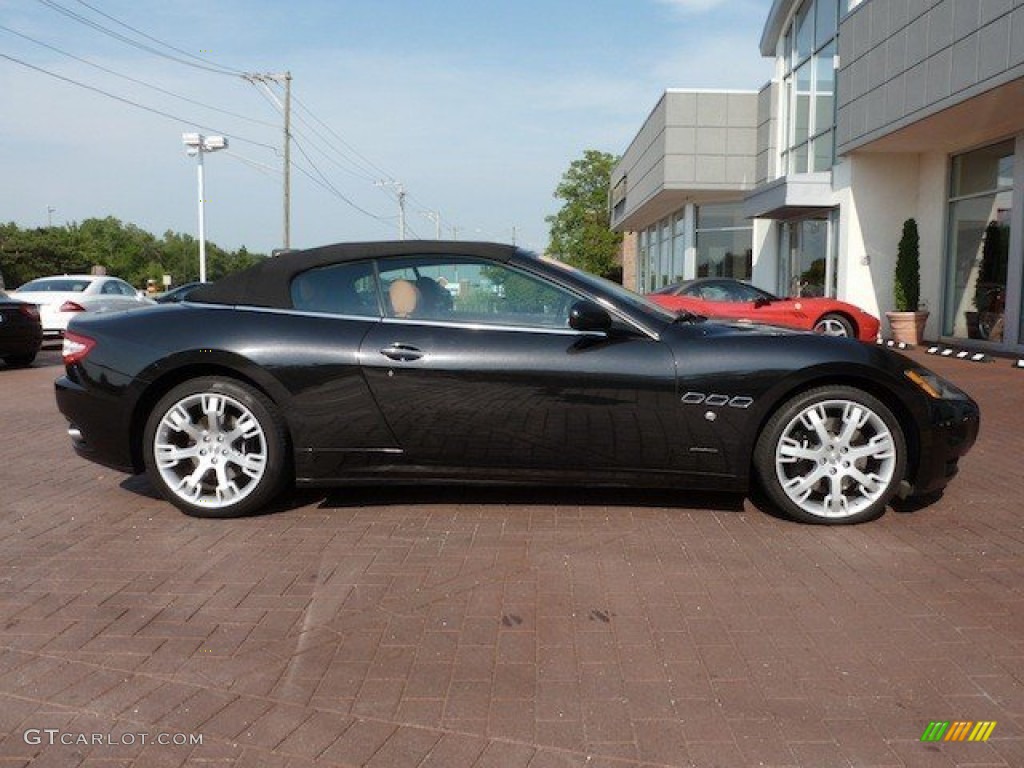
column 472, row 362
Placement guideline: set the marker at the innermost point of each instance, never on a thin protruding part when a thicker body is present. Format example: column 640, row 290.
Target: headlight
column 934, row 385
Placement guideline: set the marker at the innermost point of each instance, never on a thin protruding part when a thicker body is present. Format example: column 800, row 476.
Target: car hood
column 718, row 327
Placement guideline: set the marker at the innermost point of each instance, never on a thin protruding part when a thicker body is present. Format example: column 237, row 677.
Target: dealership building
column 878, row 111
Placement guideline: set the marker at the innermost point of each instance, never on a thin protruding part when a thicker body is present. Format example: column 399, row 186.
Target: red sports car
column 735, row 300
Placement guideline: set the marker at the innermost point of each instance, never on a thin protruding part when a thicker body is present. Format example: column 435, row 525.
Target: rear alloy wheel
column 834, row 324
column 832, row 455
column 216, row 448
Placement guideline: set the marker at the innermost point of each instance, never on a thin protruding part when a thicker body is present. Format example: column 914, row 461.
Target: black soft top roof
column 268, row 284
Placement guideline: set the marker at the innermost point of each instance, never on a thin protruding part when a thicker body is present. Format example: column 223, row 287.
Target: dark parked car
column 467, row 362
column 21, row 333
column 175, row 295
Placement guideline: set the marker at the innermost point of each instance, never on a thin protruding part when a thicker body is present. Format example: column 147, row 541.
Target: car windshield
column 56, row 284
column 619, row 293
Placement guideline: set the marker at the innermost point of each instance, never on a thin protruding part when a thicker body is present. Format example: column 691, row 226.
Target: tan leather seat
column 404, row 297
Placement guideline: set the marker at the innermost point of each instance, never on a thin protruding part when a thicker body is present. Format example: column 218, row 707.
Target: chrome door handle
column 402, row 352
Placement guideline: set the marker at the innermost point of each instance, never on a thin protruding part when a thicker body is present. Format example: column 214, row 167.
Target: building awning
column 791, row 197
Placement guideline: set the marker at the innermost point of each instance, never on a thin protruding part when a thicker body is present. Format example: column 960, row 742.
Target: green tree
column 125, row 250
column 581, row 234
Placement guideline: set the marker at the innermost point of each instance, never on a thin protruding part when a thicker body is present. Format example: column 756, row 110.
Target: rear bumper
column 953, row 430
column 20, row 341
column 95, row 425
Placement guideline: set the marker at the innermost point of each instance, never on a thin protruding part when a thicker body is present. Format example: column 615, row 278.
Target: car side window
column 124, row 288
column 731, row 291
column 471, row 290
column 110, row 288
column 339, row 289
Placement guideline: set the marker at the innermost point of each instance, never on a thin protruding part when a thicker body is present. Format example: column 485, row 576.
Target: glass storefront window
column 810, row 87
column 827, row 21
column 982, row 170
column 724, row 241
column 823, row 152
column 824, row 88
column 798, row 159
column 804, row 32
column 802, row 106
column 722, row 216
column 980, row 220
column 666, row 252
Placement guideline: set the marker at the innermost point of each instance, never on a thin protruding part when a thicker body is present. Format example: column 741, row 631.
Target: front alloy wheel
column 215, row 448
column 832, row 455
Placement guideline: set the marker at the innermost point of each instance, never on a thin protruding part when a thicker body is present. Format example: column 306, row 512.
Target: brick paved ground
column 549, row 629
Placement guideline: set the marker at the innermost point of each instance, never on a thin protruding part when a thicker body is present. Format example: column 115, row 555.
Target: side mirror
column 588, row 316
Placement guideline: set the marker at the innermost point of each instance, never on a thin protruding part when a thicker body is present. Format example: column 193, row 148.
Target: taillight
column 71, row 306
column 76, row 347
column 31, row 311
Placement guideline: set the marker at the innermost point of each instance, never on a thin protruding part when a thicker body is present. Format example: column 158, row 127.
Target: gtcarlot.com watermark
column 54, row 736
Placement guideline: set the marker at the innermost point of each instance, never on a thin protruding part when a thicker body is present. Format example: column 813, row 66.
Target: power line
column 129, row 41
column 375, row 169
column 265, row 91
column 135, row 104
column 324, row 182
column 357, row 170
column 263, row 168
column 134, row 79
column 191, row 55
column 330, row 186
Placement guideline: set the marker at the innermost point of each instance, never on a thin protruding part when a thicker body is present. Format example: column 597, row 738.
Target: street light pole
column 197, row 144
column 202, row 216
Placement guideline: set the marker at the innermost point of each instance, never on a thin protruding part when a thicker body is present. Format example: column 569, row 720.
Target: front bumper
column 953, row 430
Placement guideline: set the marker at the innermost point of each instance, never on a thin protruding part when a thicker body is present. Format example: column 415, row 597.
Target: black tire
column 835, row 324
column 20, row 361
column 245, row 453
column 801, row 472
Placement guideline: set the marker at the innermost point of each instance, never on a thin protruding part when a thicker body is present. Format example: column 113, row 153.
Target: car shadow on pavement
column 916, row 503
column 546, row 496
column 350, row 497
column 480, row 495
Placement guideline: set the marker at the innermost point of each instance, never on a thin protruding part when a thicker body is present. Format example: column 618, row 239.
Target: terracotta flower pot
column 907, row 327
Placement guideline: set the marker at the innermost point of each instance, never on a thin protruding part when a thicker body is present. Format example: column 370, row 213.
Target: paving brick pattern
column 538, row 628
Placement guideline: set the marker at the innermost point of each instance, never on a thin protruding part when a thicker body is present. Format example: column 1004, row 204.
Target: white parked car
column 63, row 296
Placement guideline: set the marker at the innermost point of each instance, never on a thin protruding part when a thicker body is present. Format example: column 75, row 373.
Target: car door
column 111, row 296
column 475, row 365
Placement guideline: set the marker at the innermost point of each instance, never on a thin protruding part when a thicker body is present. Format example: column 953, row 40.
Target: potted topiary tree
column 907, row 321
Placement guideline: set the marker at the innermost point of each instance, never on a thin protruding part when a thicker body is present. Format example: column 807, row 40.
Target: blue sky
column 477, row 107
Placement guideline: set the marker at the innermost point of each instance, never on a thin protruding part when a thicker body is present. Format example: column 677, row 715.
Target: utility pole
column 400, row 192
column 49, row 216
column 435, row 216
column 513, row 234
column 255, row 78
column 287, row 160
